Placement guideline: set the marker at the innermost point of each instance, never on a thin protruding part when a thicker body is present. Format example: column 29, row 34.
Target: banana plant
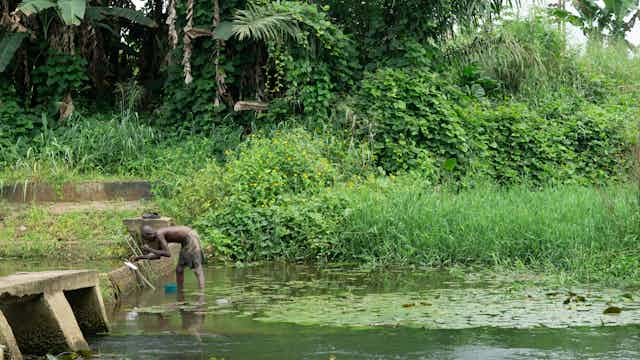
column 612, row 20
column 70, row 13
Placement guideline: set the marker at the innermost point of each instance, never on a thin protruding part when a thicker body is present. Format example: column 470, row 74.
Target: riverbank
column 579, row 233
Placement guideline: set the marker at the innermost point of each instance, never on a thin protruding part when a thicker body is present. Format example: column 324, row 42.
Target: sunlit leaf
column 72, row 11
column 31, row 7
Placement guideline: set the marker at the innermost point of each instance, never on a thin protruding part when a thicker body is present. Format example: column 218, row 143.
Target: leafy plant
column 414, row 119
column 60, row 74
column 612, row 19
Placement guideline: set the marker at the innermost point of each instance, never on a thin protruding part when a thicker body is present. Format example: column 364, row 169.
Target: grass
column 589, row 233
column 37, row 233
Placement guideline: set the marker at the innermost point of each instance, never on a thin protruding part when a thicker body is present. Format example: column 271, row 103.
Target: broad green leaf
column 31, row 7
column 127, row 14
column 72, row 11
column 94, row 13
column 449, row 164
column 9, row 44
column 564, row 15
column 224, row 30
column 620, row 7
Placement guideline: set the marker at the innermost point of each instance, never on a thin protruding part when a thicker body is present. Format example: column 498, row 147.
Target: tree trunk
column 186, row 60
column 220, row 76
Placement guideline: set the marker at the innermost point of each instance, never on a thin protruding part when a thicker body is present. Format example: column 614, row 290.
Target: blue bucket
column 170, row 288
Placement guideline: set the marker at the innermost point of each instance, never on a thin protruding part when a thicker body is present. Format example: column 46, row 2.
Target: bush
column 581, row 143
column 266, row 198
column 522, row 55
column 289, row 162
column 418, row 121
column 413, row 117
column 16, row 122
column 293, row 228
column 513, row 143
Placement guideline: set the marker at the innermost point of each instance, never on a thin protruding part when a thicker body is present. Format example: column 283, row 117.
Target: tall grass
column 87, row 146
column 589, row 232
column 96, row 145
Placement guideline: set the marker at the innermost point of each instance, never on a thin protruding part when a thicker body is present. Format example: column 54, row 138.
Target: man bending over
column 190, row 254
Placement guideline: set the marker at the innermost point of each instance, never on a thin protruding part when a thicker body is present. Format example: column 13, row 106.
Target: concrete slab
column 8, row 346
column 24, row 284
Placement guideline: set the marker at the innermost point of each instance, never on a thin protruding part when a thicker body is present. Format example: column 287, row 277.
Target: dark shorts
column 190, row 259
column 191, row 255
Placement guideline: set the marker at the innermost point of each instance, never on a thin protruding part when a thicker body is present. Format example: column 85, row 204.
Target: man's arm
column 154, row 254
column 164, row 248
column 146, row 257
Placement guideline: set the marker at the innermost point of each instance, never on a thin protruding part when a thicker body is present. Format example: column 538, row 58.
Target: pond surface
column 294, row 312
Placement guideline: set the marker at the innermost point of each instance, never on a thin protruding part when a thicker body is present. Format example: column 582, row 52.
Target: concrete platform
column 50, row 312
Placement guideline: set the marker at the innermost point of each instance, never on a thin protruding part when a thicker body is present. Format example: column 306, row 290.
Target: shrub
column 15, row 122
column 289, row 162
column 597, row 137
column 266, row 202
column 513, row 143
column 583, row 142
column 522, row 55
column 294, row 228
column 413, row 117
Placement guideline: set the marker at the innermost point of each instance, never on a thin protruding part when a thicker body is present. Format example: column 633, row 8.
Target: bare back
column 174, row 234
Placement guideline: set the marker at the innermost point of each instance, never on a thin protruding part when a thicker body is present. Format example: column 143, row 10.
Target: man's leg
column 180, row 277
column 200, row 276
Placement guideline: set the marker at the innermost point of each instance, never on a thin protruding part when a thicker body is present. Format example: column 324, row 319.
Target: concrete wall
column 123, row 281
column 76, row 192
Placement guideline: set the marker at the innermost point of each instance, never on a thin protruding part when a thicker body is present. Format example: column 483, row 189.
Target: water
column 294, row 312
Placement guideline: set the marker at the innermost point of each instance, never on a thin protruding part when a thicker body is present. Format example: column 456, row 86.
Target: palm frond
column 265, row 23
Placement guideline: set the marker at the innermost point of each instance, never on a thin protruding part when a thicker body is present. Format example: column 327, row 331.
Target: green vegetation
column 36, row 233
column 585, row 231
column 447, row 134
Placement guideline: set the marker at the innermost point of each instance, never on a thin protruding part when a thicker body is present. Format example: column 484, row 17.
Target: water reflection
column 193, row 319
